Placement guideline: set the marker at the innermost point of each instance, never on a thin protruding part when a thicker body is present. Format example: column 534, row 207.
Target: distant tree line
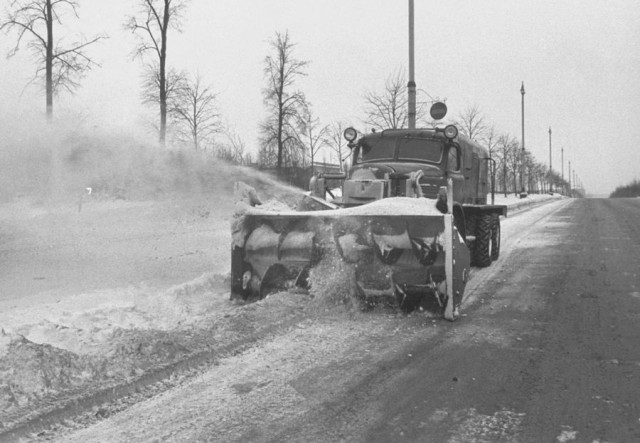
column 630, row 190
column 514, row 170
column 290, row 136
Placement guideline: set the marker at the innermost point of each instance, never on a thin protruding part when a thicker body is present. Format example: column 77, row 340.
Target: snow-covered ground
column 97, row 291
column 514, row 202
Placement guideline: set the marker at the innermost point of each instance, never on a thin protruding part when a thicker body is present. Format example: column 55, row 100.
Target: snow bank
column 515, row 203
column 67, row 346
column 84, row 322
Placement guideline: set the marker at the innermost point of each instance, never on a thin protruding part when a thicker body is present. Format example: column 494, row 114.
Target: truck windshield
column 409, row 149
column 376, row 150
column 419, row 149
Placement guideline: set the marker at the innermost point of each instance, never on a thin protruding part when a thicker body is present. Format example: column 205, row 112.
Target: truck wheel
column 470, row 227
column 482, row 248
column 495, row 238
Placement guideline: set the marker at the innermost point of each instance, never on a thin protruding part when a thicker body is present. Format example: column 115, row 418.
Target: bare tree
column 173, row 80
column 194, row 112
column 334, row 139
column 152, row 24
column 514, row 162
column 490, row 141
column 284, row 104
column 312, row 134
column 233, row 149
column 471, row 122
column 542, row 177
column 534, row 178
column 63, row 65
column 239, row 148
column 389, row 109
column 506, row 146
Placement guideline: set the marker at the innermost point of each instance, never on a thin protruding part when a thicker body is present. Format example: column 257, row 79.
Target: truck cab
column 435, row 163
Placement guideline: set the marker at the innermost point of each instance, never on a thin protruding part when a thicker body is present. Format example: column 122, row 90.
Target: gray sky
column 579, row 60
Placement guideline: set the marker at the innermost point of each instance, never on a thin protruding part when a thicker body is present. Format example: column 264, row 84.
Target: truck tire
column 495, row 238
column 470, row 220
column 481, row 255
column 470, row 227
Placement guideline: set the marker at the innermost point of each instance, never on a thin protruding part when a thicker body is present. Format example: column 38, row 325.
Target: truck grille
column 429, row 190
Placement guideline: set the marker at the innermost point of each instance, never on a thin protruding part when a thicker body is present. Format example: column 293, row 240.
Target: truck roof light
column 450, row 132
column 350, row 134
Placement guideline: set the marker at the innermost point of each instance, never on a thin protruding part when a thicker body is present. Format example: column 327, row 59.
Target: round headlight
column 450, row 132
column 350, row 134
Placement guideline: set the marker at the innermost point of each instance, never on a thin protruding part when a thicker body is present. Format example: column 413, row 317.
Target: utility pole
column 411, row 86
column 522, row 151
column 550, row 164
column 562, row 165
column 570, row 179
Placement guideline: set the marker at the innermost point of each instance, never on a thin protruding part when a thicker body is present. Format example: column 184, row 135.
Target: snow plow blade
column 395, row 253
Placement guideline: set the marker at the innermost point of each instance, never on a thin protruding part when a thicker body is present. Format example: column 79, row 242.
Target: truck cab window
column 377, row 150
column 420, row 150
column 453, row 160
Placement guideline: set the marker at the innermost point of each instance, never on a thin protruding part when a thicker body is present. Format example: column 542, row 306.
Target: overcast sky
column 579, row 60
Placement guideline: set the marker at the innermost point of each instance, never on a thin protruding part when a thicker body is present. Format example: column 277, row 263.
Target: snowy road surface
column 546, row 351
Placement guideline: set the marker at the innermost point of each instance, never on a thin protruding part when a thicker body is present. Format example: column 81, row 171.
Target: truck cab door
column 474, row 178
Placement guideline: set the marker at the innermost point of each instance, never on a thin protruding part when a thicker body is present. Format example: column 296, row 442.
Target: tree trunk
column 49, row 61
column 163, row 74
column 281, row 108
column 504, row 177
column 280, row 144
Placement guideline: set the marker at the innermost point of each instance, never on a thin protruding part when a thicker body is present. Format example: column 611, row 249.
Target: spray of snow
column 333, row 282
column 59, row 162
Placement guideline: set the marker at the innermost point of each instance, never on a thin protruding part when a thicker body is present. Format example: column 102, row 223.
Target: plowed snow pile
column 133, row 330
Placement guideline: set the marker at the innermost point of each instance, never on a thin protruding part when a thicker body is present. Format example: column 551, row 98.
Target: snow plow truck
column 410, row 218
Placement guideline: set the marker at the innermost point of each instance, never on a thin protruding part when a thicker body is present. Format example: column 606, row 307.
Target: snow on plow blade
column 396, row 252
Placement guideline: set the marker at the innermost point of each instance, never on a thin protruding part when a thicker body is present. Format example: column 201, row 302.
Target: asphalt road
column 547, row 350
column 569, row 293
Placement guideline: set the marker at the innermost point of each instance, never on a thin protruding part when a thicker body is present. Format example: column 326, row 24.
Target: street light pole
column 562, row 166
column 411, row 86
column 550, row 164
column 522, row 152
column 570, row 179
